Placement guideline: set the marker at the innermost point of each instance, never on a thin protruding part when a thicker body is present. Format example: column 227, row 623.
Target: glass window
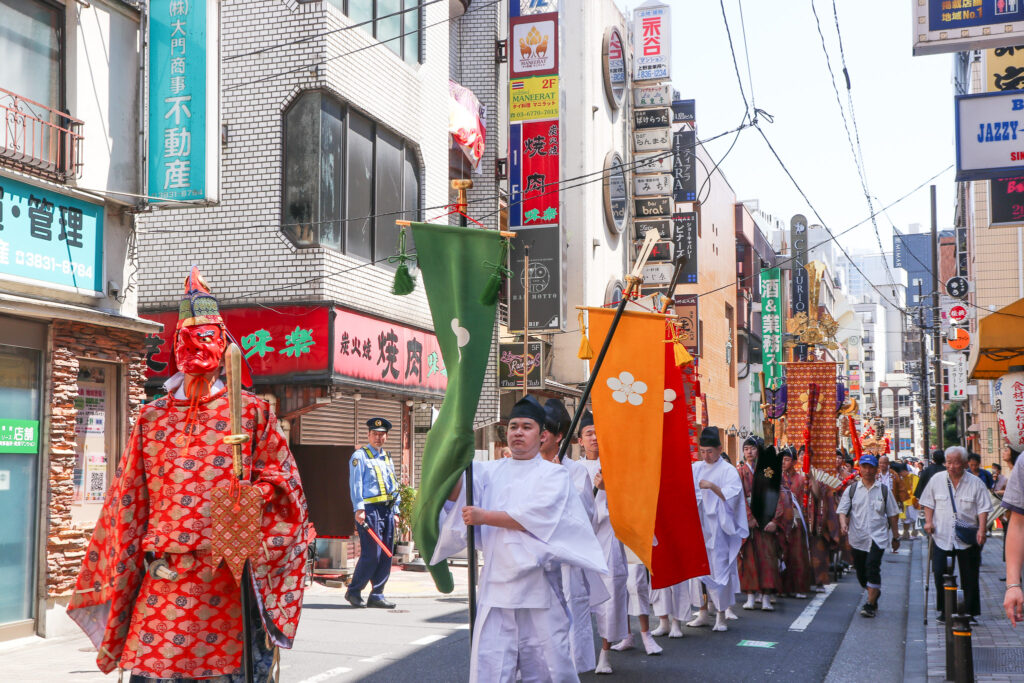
column 332, row 162
column 388, row 26
column 389, row 193
column 30, row 43
column 411, row 184
column 396, row 23
column 360, row 10
column 360, row 186
column 299, row 211
column 411, row 49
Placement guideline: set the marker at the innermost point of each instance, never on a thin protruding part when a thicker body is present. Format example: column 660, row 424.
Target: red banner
column 540, row 172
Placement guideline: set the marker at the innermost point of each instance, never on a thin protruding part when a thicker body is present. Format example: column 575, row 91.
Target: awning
column 999, row 343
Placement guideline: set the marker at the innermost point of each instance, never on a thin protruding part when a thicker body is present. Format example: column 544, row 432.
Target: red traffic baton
column 376, row 538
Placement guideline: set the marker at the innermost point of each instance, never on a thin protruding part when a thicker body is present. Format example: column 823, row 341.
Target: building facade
column 71, row 345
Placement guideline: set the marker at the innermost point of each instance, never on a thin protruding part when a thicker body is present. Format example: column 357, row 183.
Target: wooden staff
column 526, row 316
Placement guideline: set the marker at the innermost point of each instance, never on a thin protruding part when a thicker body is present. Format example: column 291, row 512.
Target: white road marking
column 807, row 616
column 375, row 658
column 462, row 627
column 327, row 675
column 427, row 640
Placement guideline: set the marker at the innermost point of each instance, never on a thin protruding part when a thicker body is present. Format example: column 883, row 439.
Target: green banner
column 19, row 436
column 771, row 327
column 455, row 264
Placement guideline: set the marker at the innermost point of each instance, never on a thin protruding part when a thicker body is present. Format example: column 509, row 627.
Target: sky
column 903, row 107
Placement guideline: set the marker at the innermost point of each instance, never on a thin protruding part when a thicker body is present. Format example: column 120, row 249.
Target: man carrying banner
column 723, row 515
column 612, row 615
column 373, row 488
column 531, row 522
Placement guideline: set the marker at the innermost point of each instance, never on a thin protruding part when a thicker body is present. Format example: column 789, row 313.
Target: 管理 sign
column 183, row 154
column 990, row 135
column 49, row 238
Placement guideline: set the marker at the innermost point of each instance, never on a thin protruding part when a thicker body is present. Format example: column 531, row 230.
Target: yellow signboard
column 533, row 99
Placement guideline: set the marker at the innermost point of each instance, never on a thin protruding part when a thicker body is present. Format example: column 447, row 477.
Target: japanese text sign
column 959, row 25
column 534, row 173
column 19, row 436
column 652, row 95
column 990, row 135
column 532, row 99
column 771, row 327
column 685, row 238
column 50, row 238
column 651, row 42
column 684, row 166
column 183, row 84
column 383, row 352
column 687, row 307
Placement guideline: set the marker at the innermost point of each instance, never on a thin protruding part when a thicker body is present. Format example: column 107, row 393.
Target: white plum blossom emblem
column 670, row 396
column 626, row 389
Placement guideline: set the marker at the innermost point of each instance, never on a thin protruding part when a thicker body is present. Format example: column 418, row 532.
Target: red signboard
column 957, row 313
column 382, row 352
column 540, row 172
column 296, row 343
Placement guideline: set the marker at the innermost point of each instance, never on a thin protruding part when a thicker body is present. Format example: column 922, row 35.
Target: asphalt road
column 427, row 639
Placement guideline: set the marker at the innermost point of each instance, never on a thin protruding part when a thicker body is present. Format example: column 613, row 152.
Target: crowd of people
column 556, row 579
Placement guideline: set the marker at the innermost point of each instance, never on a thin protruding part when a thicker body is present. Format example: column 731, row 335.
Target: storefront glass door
column 19, row 457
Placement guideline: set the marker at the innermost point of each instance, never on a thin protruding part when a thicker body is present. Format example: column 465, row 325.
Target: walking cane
column 927, row 580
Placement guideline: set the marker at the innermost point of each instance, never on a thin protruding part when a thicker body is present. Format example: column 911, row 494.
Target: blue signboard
column 953, row 14
column 50, row 238
column 515, row 174
column 177, row 100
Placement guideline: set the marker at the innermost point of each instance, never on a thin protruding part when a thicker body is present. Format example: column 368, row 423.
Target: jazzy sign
column 989, row 135
column 684, row 170
column 533, row 45
column 651, row 42
column 184, row 129
column 533, row 99
column 50, row 239
column 771, row 327
column 684, row 236
column 962, row 25
column 511, row 367
column 1006, row 202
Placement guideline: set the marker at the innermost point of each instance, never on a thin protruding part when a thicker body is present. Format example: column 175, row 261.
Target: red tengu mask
column 199, row 349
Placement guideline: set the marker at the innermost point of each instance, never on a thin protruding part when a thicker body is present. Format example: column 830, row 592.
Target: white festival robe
column 522, row 620
column 612, row 614
column 583, row 589
column 725, row 526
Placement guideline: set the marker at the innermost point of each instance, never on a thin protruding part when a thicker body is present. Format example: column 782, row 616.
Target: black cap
column 378, row 424
column 710, row 437
column 558, row 419
column 587, row 420
column 531, row 408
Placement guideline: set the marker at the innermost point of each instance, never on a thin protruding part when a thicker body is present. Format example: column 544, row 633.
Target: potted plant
column 404, row 528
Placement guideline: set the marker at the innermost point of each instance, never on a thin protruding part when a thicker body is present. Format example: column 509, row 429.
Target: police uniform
column 373, row 487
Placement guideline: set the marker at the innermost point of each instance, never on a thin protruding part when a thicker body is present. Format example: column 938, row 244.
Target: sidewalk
column 998, row 648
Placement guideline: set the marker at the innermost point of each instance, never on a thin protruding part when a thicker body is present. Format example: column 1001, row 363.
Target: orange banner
column 628, row 401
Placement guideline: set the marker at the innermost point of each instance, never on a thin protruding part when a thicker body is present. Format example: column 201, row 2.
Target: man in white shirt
column 956, row 487
column 529, row 523
column 867, row 512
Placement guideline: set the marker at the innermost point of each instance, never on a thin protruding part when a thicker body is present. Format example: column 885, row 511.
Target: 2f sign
column 990, row 135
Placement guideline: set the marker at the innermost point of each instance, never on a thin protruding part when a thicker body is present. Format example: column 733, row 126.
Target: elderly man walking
column 867, row 512
column 956, row 507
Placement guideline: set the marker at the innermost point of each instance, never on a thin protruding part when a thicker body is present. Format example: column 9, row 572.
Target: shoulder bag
column 965, row 533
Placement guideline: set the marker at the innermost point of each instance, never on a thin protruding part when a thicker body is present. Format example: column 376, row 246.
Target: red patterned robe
column 159, row 506
column 796, row 577
column 823, row 524
column 759, row 555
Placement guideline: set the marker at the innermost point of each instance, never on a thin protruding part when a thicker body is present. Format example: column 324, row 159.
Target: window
column 395, row 23
column 30, row 41
column 340, row 170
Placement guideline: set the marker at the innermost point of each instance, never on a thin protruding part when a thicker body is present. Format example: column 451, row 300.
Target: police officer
column 374, row 491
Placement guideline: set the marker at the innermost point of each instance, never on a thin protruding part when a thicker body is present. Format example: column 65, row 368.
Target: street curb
column 915, row 664
column 889, row 627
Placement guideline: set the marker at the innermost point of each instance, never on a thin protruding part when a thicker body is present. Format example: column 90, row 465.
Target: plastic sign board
column 652, row 95
column 960, row 25
column 184, row 112
column 957, row 287
column 533, row 45
column 990, row 135
column 50, row 239
column 652, row 185
column 958, row 380
column 771, row 327
column 652, row 42
column 958, row 339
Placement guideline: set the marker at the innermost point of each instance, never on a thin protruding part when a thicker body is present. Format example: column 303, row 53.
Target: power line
column 376, row 43
column 735, row 64
column 324, row 34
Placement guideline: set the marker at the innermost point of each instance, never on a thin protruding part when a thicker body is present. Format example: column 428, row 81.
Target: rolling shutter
column 330, row 425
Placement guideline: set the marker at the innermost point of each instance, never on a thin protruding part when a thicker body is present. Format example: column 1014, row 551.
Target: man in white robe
column 724, row 520
column 530, row 522
column 612, row 615
column 582, row 588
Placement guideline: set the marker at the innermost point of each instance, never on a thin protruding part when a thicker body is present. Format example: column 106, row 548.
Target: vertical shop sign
column 183, row 130
column 684, row 235
column 684, row 170
column 652, row 42
column 798, row 245
column 771, row 327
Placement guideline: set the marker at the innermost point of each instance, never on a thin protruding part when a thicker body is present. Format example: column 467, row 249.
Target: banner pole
column 526, row 316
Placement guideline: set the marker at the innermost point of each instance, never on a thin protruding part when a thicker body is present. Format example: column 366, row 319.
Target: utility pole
column 936, row 327
column 925, row 412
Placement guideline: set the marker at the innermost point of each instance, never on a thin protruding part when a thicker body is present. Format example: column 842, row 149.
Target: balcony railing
column 38, row 139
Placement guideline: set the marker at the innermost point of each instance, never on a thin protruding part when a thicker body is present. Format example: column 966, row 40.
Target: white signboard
column 533, row 46
column 652, row 95
column 653, row 162
column 649, row 185
column 990, row 135
column 658, row 273
column 958, row 379
column 652, row 140
column 962, row 25
column 652, row 41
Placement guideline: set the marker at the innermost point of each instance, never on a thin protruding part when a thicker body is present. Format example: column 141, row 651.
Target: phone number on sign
column 44, row 262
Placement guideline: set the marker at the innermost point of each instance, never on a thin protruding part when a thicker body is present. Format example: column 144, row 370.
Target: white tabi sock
column 677, row 631
column 626, row 643
column 703, row 619
column 749, row 604
column 766, row 604
column 603, row 667
column 650, row 644
column 720, row 623
column 663, row 627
